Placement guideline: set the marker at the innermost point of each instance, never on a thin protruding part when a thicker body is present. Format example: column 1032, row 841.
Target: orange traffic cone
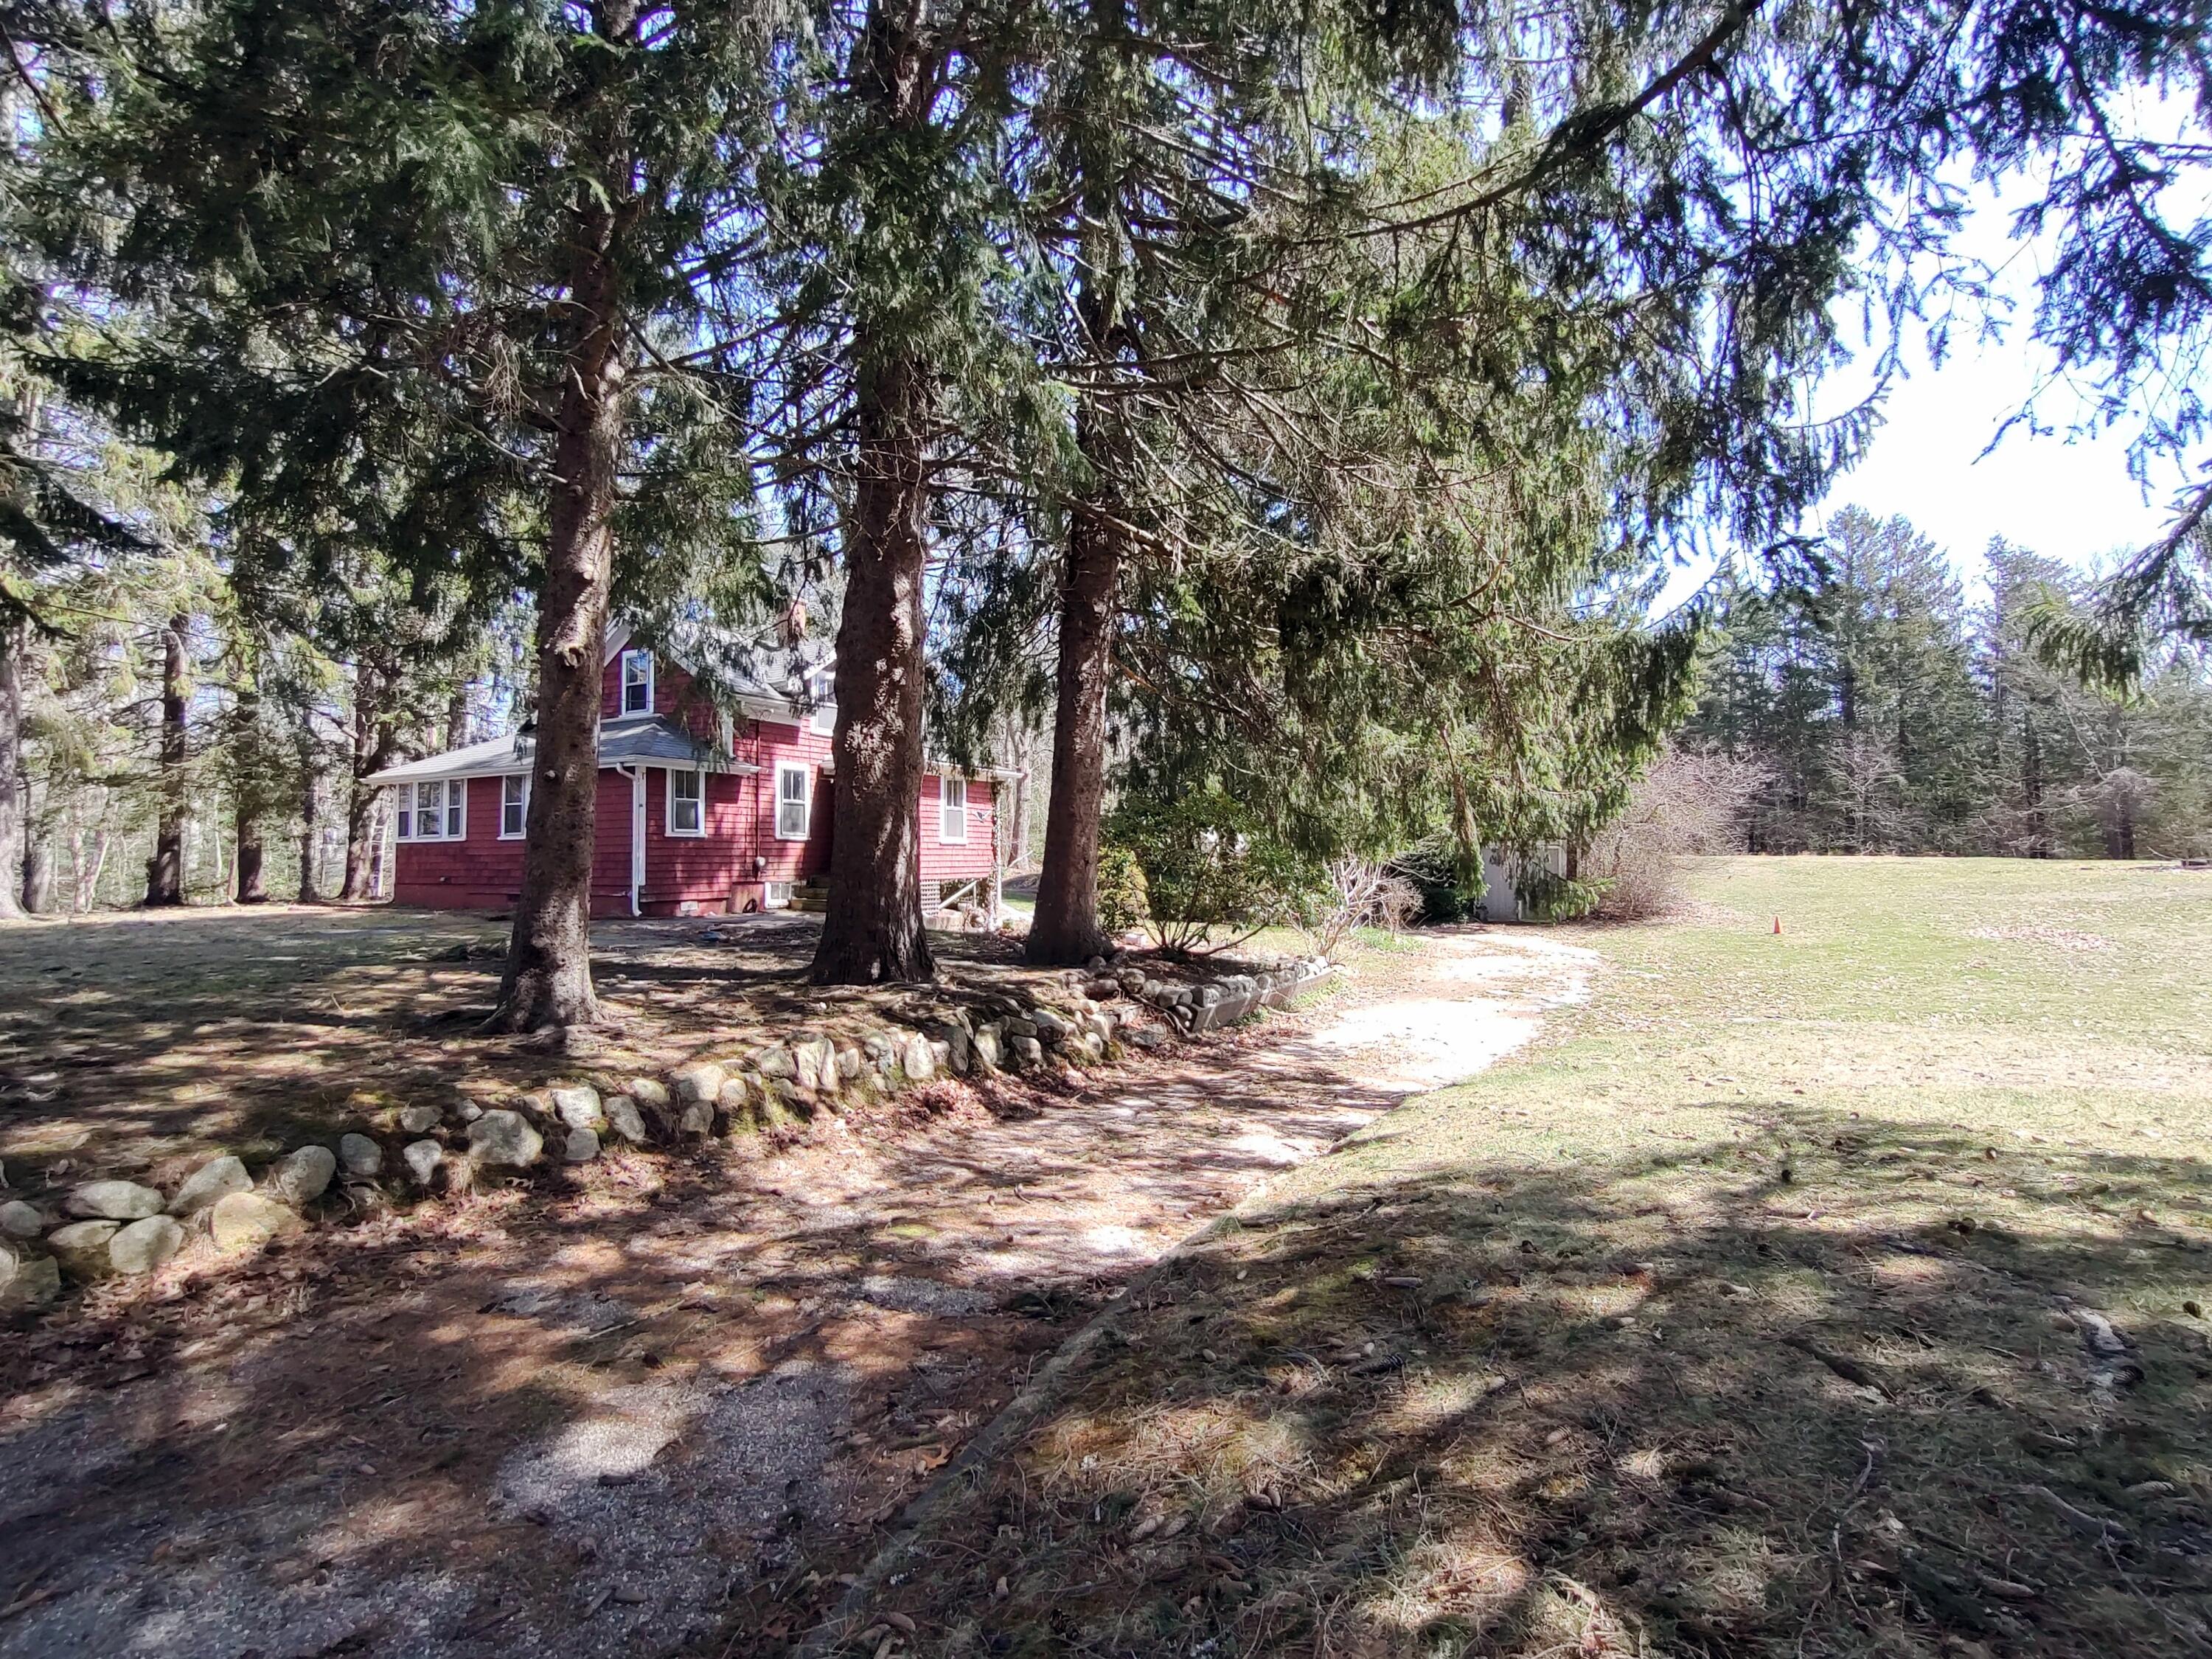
column 1778, row 925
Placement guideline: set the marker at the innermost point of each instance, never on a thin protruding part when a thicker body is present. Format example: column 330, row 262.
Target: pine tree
column 425, row 279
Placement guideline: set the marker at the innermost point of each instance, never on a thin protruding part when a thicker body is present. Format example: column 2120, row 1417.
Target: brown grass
column 1837, row 1294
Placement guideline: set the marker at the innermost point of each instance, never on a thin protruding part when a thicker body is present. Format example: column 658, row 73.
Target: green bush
column 1434, row 871
column 1121, row 902
column 1207, row 865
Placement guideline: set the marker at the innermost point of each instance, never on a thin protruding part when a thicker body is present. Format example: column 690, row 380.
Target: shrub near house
column 697, row 812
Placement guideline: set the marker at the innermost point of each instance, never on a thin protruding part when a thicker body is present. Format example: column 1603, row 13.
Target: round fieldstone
column 112, row 1200
column 303, row 1176
column 145, row 1245
column 81, row 1247
column 577, row 1105
column 505, row 1140
column 211, row 1181
column 419, row 1120
column 701, row 1080
column 626, row 1120
column 27, row 1281
column 246, row 1221
column 423, row 1158
column 19, row 1220
column 360, row 1155
column 581, row 1146
column 919, row 1059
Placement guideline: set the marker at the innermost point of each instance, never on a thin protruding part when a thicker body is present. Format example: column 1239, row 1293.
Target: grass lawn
column 1836, row 1292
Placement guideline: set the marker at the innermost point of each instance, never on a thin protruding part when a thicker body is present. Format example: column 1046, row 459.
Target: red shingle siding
column 944, row 860
column 724, row 868
column 474, row 874
column 699, row 871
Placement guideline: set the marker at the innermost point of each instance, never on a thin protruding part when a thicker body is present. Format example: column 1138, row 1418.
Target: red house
column 700, row 809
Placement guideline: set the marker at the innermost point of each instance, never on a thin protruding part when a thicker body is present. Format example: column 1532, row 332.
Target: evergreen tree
column 426, row 279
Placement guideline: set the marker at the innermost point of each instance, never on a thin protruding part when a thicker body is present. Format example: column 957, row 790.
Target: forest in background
column 1885, row 711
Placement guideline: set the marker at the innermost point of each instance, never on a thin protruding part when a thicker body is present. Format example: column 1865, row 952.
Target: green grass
column 1756, row 1310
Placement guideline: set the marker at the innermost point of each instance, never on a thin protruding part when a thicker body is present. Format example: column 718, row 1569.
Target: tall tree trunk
column 15, row 787
column 1065, row 931
column 310, row 832
column 548, row 957
column 165, row 871
column 253, row 883
column 38, row 870
column 372, row 742
column 2039, row 832
column 872, row 927
column 253, row 877
column 456, row 717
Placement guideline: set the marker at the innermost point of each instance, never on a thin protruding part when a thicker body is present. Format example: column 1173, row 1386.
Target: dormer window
column 637, row 683
column 821, row 694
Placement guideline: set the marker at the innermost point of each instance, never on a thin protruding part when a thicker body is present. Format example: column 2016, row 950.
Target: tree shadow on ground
column 1829, row 1386
column 142, row 1045
column 641, row 1404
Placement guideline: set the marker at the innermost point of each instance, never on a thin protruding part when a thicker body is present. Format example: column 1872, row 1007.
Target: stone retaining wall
column 907, row 1036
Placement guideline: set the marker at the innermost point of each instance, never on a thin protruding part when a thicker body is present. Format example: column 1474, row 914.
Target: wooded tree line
column 1294, row 405
column 1891, row 714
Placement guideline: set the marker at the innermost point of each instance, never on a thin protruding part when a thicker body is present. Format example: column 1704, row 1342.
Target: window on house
column 637, row 683
column 687, row 803
column 792, row 802
column 513, row 807
column 951, row 808
column 821, row 691
column 434, row 811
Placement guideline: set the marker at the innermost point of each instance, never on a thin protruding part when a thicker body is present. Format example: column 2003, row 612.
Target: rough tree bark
column 253, row 882
column 38, row 876
column 165, row 871
column 374, row 740
column 872, row 927
column 252, row 863
column 310, row 827
column 548, row 981
column 14, row 794
column 1066, row 931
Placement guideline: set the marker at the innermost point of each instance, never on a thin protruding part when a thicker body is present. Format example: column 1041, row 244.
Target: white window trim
column 699, row 834
column 522, row 778
column 805, row 799
column 822, row 690
column 944, row 809
column 446, row 802
column 623, row 710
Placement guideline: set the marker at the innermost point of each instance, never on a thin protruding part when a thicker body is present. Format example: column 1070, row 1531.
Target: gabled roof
column 648, row 739
column 493, row 755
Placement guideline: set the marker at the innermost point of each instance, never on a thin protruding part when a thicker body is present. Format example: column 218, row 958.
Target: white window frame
column 699, row 829
column 520, row 804
column 822, row 690
column 623, row 711
column 403, row 812
column 950, row 812
column 451, row 813
column 804, row 799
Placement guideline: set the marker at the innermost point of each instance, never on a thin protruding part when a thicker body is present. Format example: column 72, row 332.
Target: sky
column 2067, row 496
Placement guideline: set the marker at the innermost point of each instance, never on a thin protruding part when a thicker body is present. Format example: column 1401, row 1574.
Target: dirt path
column 660, row 1407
